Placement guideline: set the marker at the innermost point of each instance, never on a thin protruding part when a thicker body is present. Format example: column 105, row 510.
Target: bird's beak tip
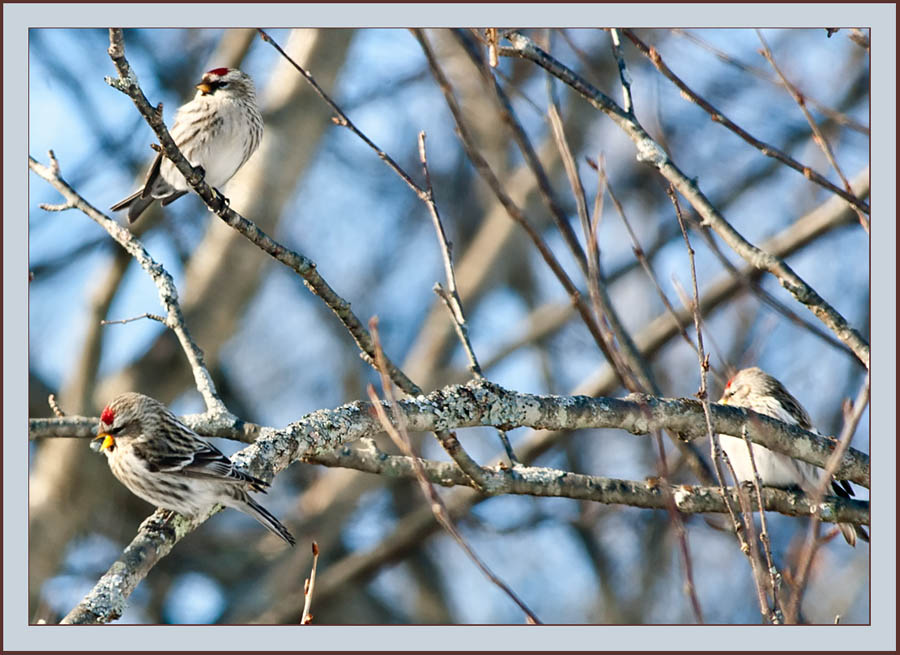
column 99, row 446
column 203, row 87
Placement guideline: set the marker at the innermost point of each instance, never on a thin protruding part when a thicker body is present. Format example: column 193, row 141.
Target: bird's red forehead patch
column 217, row 71
column 728, row 384
column 107, row 416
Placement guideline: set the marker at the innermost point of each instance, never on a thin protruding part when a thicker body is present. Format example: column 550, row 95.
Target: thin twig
column 765, row 148
column 451, row 295
column 508, row 116
column 460, row 326
column 801, row 576
column 748, row 545
column 632, row 370
column 650, row 152
column 51, row 400
column 836, row 116
column 774, row 575
column 690, row 589
column 168, row 294
column 687, row 301
column 342, row 120
column 397, row 432
column 309, row 586
column 123, row 321
column 638, row 250
column 624, row 77
column 818, row 135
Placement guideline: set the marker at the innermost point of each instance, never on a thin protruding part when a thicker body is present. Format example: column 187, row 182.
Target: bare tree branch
column 309, row 587
column 555, row 483
column 818, row 135
column 650, row 152
column 719, row 117
column 508, row 115
column 168, row 294
column 451, row 295
column 836, row 116
column 483, row 403
column 747, row 540
column 810, row 546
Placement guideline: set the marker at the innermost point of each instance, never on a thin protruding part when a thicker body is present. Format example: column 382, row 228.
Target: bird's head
column 745, row 382
column 226, row 82
column 122, row 420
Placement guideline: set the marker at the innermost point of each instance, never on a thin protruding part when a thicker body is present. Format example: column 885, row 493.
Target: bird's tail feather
column 135, row 203
column 175, row 196
column 125, row 202
column 262, row 515
column 138, row 207
column 842, row 489
column 851, row 532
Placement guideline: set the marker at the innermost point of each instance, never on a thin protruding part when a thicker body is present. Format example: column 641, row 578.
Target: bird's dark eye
column 222, row 85
column 115, row 430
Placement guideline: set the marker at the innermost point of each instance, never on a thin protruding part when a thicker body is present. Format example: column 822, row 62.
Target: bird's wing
column 186, row 453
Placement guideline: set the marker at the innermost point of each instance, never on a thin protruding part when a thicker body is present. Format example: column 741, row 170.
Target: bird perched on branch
column 756, row 390
column 218, row 130
column 167, row 464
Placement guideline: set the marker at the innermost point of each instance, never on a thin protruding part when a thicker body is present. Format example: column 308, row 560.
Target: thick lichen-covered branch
column 555, row 483
column 483, row 403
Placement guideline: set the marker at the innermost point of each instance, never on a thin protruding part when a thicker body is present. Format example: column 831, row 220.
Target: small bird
column 167, row 464
column 756, row 390
column 218, row 130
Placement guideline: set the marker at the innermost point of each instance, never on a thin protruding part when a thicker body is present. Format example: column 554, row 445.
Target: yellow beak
column 204, row 88
column 108, row 441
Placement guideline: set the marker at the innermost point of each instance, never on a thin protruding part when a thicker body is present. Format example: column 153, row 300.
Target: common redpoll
column 756, row 390
column 167, row 464
column 218, row 130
